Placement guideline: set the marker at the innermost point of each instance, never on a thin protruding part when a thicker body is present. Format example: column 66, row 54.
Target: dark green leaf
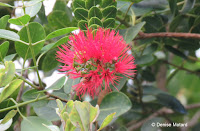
column 49, row 61
column 94, row 26
column 60, row 32
column 95, row 20
column 69, row 84
column 58, row 84
column 175, row 23
column 10, row 35
column 173, row 7
column 113, row 102
column 6, row 5
column 33, row 94
column 175, row 51
column 150, row 49
column 151, row 125
column 171, row 102
column 130, row 33
column 58, row 19
column 8, row 116
column 106, row 3
column 95, row 12
column 34, row 123
column 3, row 49
column 4, row 21
column 9, row 89
column 81, row 14
column 90, row 3
column 82, row 24
column 110, row 22
column 78, row 4
column 37, row 33
column 143, row 60
column 109, row 12
column 118, row 87
column 189, row 4
column 23, row 20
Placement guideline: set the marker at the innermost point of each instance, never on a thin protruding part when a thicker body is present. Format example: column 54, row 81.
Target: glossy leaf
column 4, row 21
column 33, row 7
column 60, row 32
column 7, row 74
column 82, row 24
column 106, row 121
column 106, row 3
column 33, row 94
column 33, row 123
column 3, row 49
column 9, row 89
column 10, row 35
column 109, row 12
column 81, row 14
column 171, row 102
column 23, row 20
column 58, row 84
column 37, row 33
column 95, row 12
column 113, row 102
column 130, row 33
column 95, row 20
column 78, row 4
column 8, row 116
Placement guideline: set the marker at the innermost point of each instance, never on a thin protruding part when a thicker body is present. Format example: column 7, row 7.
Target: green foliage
column 3, row 50
column 4, row 21
column 23, row 20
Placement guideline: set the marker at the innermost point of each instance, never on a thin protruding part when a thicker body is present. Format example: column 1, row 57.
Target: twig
column 56, row 97
column 167, row 34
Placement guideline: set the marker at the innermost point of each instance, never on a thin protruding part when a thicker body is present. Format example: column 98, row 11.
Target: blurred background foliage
column 166, row 87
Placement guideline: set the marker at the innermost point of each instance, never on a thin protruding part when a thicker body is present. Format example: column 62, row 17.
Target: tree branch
column 167, row 34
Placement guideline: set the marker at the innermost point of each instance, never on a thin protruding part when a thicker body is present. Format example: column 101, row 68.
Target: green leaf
column 33, row 7
column 106, row 3
column 60, row 32
column 47, row 112
column 7, row 74
column 93, row 111
column 37, row 33
column 175, row 51
column 94, row 26
column 8, row 116
column 106, row 121
column 121, row 83
column 189, row 4
column 9, row 89
column 171, row 102
column 95, row 12
column 58, row 19
column 81, row 14
column 23, row 20
column 79, row 116
column 34, row 123
column 52, row 127
column 3, row 50
column 82, row 24
column 147, row 126
column 69, row 126
column 33, row 94
column 173, row 7
column 59, row 104
column 69, row 84
column 9, row 57
column 4, row 21
column 10, row 35
column 109, row 12
column 175, row 23
column 7, row 125
column 144, row 59
column 95, row 20
column 61, row 41
column 49, row 61
column 90, row 3
column 130, row 33
column 110, row 22
column 6, row 5
column 58, row 84
column 78, row 4
column 113, row 102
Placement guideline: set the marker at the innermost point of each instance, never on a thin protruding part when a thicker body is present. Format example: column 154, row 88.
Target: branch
column 162, row 111
column 167, row 34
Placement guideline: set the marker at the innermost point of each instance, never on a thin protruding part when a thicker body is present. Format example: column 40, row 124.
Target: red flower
column 98, row 58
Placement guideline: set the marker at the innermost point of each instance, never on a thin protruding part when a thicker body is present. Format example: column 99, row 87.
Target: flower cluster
column 98, row 58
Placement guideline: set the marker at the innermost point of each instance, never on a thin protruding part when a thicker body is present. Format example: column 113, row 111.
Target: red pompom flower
column 98, row 58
